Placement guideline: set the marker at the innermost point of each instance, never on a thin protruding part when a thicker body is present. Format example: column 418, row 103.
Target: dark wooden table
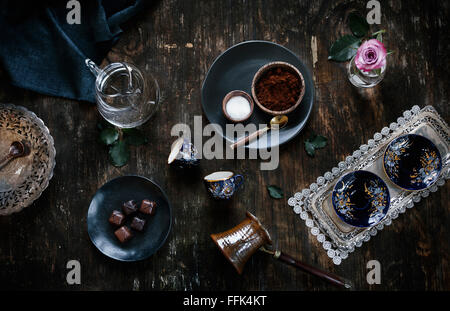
column 178, row 41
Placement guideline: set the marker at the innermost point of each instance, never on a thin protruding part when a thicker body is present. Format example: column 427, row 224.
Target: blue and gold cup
column 361, row 198
column 223, row 184
column 412, row 162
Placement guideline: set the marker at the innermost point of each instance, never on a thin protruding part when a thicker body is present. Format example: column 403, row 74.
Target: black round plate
column 361, row 199
column 412, row 162
column 110, row 197
column 234, row 70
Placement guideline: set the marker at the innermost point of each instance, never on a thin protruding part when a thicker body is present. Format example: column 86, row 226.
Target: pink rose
column 370, row 55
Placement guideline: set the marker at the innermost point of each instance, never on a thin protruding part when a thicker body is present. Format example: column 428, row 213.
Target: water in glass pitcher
column 124, row 97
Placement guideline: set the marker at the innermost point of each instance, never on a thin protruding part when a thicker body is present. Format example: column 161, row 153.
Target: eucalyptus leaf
column 109, row 135
column 319, row 141
column 358, row 25
column 134, row 137
column 119, row 153
column 344, row 48
column 309, row 147
column 315, row 142
column 275, row 192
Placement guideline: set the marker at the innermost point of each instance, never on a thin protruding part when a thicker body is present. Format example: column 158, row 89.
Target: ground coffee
column 278, row 89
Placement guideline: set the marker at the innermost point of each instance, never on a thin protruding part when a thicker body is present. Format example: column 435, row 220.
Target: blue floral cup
column 412, row 162
column 223, row 184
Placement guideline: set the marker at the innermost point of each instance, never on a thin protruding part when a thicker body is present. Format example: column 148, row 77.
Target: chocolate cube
column 123, row 234
column 129, row 207
column 117, row 218
column 138, row 224
column 148, row 207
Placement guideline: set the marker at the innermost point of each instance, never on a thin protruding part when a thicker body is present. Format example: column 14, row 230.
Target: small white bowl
column 233, row 94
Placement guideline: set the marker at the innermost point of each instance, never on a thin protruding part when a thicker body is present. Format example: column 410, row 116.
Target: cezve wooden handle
column 330, row 277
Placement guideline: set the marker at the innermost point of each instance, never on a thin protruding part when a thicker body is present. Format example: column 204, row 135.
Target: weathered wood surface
column 178, row 41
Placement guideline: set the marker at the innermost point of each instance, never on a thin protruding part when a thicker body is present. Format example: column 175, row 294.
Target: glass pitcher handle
column 92, row 67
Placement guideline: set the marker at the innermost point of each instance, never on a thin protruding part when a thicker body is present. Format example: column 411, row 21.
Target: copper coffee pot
column 238, row 244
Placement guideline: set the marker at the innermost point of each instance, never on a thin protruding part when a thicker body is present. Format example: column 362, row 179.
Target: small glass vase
column 364, row 79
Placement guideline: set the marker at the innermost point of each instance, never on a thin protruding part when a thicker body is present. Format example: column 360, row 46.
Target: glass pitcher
column 124, row 97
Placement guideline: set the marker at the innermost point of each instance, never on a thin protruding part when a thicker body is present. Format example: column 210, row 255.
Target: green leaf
column 319, row 141
column 309, row 147
column 109, row 135
column 344, row 48
column 315, row 142
column 119, row 153
column 380, row 37
column 378, row 32
column 358, row 25
column 275, row 192
column 134, row 137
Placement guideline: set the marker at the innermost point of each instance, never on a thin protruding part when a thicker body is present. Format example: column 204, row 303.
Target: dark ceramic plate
column 361, row 198
column 111, row 197
column 412, row 162
column 234, row 70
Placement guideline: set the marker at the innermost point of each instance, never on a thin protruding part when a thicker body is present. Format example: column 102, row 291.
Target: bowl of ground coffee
column 278, row 88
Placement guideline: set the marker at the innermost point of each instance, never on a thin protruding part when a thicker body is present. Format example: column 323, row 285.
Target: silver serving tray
column 314, row 206
column 24, row 179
